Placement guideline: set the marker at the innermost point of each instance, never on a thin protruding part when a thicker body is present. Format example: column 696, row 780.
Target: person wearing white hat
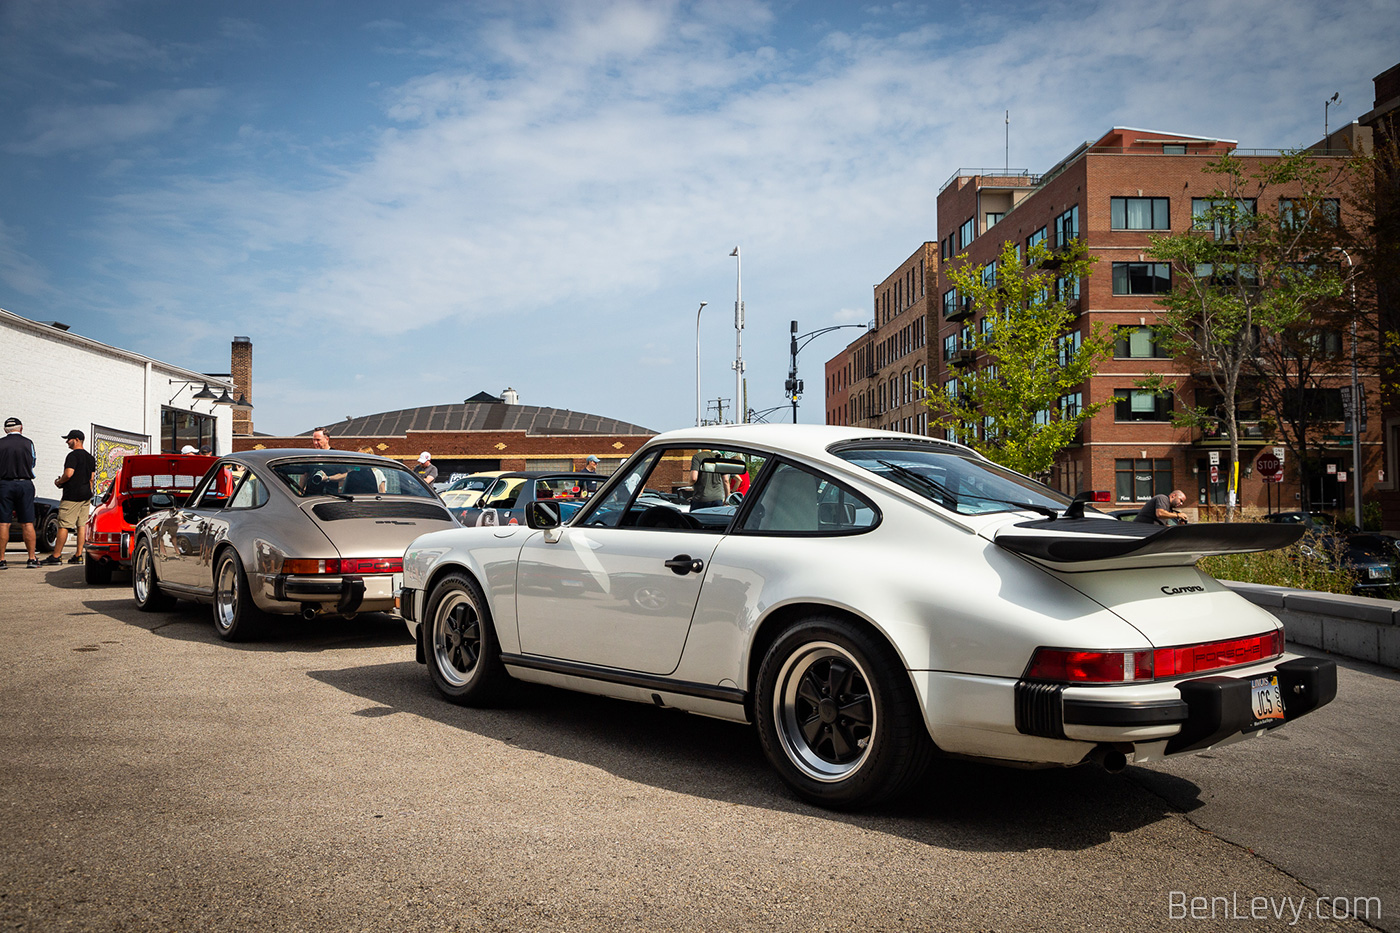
column 426, row 469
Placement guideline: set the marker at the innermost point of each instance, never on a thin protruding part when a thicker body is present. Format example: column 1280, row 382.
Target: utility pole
column 739, row 332
column 718, row 406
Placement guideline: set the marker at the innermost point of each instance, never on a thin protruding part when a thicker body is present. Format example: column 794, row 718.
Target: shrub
column 1307, row 565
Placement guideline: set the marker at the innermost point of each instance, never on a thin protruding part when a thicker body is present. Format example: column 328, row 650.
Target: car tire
column 838, row 717
column 236, row 616
column 96, row 571
column 144, row 585
column 46, row 534
column 464, row 658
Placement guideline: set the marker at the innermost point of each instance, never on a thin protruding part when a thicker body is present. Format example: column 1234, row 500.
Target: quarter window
column 797, row 501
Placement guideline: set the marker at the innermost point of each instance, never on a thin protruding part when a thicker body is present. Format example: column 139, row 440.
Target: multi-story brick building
column 874, row 380
column 1111, row 194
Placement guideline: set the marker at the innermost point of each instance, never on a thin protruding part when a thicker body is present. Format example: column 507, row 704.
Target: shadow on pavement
column 965, row 805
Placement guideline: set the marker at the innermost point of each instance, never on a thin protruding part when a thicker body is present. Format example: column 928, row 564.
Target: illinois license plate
column 1266, row 700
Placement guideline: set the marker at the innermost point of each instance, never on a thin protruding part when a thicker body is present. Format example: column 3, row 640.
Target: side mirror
column 543, row 514
column 162, row 500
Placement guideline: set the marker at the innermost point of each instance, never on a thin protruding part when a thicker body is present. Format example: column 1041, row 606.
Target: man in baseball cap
column 17, row 459
column 426, row 469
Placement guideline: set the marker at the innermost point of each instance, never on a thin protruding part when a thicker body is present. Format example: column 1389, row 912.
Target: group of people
column 18, row 457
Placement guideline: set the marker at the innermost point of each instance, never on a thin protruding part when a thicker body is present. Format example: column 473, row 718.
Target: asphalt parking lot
column 158, row 779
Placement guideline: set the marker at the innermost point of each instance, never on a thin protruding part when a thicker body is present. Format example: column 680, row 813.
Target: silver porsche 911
column 875, row 600
column 282, row 532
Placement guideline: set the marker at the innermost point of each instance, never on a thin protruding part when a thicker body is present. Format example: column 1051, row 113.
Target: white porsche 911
column 875, row 601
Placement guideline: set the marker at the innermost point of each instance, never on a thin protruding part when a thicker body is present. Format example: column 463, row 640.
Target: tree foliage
column 1250, row 274
column 1029, row 357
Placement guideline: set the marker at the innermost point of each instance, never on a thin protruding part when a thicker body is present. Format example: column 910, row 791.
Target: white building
column 124, row 402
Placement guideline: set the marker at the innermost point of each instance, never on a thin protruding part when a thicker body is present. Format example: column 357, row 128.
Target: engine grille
column 378, row 508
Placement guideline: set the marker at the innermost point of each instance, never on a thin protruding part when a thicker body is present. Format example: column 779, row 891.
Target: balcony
column 1252, row 434
column 963, row 357
column 1058, row 243
column 960, row 310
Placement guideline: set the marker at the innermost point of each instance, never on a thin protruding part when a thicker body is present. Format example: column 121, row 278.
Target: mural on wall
column 108, row 447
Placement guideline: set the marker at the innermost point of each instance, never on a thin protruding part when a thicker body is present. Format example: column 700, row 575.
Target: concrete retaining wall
column 1351, row 626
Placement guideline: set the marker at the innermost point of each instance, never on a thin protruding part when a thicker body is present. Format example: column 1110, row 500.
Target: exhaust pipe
column 1109, row 758
column 308, row 611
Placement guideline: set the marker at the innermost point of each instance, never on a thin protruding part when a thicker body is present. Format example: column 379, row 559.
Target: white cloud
column 104, row 125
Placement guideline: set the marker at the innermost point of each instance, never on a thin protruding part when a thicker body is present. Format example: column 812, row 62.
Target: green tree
column 1241, row 275
column 1012, row 406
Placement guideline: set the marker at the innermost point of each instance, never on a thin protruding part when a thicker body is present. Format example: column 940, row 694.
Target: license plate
column 1380, row 573
column 1266, row 700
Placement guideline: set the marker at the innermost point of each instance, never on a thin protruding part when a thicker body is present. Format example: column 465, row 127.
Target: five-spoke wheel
column 837, row 715
column 463, row 657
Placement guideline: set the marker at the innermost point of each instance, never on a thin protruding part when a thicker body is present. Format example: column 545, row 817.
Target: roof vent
column 510, row 396
column 58, row 325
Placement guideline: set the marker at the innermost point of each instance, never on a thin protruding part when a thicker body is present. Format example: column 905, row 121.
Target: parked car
column 505, row 501
column 875, row 600
column 45, row 525
column 464, row 492
column 1369, row 558
column 1319, row 522
column 127, row 500
column 284, row 532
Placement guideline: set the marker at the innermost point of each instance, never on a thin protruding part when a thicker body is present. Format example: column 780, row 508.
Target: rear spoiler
column 1087, row 540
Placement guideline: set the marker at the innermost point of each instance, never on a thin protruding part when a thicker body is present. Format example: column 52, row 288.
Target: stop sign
column 1267, row 464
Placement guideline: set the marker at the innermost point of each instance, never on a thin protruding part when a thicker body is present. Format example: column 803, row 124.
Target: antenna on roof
column 1008, row 142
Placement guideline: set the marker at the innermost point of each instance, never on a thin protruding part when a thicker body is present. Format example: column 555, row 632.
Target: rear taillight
column 1062, row 665
column 347, row 565
column 1212, row 656
column 105, row 537
column 1067, row 666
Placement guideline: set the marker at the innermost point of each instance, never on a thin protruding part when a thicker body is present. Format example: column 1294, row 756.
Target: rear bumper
column 106, row 551
column 336, row 594
column 1195, row 714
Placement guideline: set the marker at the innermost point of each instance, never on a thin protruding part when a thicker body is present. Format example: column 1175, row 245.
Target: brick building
column 1112, row 194
column 484, row 432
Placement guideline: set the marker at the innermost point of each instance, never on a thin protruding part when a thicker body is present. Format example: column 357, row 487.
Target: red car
column 127, row 500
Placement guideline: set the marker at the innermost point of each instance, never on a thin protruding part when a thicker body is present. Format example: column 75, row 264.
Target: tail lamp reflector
column 344, row 565
column 1064, row 665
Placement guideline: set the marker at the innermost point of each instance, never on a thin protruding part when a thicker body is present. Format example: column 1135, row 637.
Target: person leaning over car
column 76, row 483
column 1160, row 508
column 17, row 459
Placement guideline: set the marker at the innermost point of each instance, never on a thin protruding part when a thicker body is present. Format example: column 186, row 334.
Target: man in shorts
column 76, row 483
column 17, row 459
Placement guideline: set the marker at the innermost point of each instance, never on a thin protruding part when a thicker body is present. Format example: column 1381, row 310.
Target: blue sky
column 405, row 204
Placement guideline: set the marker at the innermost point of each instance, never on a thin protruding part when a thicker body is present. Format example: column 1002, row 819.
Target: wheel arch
column 772, row 626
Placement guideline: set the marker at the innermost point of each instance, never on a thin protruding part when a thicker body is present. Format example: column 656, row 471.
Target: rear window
column 959, row 482
column 333, row 477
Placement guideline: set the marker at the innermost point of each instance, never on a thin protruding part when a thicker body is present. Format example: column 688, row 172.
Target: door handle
column 683, row 564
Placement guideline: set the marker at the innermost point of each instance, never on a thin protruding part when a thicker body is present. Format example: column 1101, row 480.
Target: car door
column 617, row 589
column 187, row 536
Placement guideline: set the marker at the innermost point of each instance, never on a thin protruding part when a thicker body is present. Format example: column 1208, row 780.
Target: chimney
column 510, row 396
column 241, row 371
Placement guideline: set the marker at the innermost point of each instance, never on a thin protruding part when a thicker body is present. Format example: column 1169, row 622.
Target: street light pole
column 740, row 405
column 794, row 385
column 1356, row 402
column 697, row 361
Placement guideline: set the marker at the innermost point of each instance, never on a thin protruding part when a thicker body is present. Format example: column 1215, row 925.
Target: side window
column 219, row 486
column 797, row 501
column 251, row 494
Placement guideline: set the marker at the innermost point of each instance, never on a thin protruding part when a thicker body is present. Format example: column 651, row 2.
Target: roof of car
column 811, row 439
column 548, row 474
column 271, row 454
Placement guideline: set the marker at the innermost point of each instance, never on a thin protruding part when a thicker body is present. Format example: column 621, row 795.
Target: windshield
column 958, row 482
column 349, row 478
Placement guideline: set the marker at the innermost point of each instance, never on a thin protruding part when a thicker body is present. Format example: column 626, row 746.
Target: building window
column 1137, row 343
column 1293, row 214
column 1066, row 227
column 180, row 429
column 1138, row 214
column 1142, row 405
column 993, row 218
column 1034, row 238
column 967, row 232
column 1173, row 149
column 1141, row 278
column 1069, row 346
column 1221, row 215
column 1140, row 480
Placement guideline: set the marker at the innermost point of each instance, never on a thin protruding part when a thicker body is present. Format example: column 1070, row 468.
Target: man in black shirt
column 17, row 459
column 1160, row 509
column 76, row 483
